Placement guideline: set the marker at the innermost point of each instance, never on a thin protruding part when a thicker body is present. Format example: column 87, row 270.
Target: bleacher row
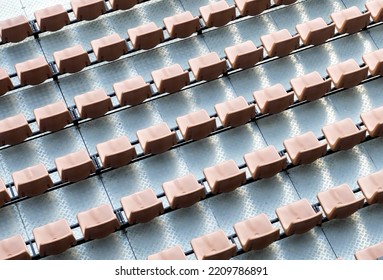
column 57, row 237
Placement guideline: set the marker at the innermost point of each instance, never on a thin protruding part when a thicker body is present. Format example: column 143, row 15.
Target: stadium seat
column 376, row 9
column 5, row 82
column 170, row 79
column 132, row 91
column 4, row 195
column 310, row 86
column 350, row 20
column 217, row 14
column 122, row 4
column 181, row 25
column 71, row 60
column 372, row 187
column 244, row 55
column 207, row 67
column 14, row 130
column 75, row 166
column 196, row 125
column 274, row 99
column 315, row 32
column 252, row 7
column 15, row 29
column 14, row 248
column 347, row 74
column 88, row 9
column 116, row 152
column 280, row 43
column 146, row 36
column 374, row 61
column 109, row 48
column 93, row 104
column 235, row 112
column 52, row 117
column 52, row 18
column 33, row 71
column 373, row 252
column 173, row 253
column 373, row 121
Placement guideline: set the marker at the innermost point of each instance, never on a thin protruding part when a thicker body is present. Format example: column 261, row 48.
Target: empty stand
column 373, row 252
column 132, row 91
column 213, row 246
column 184, row 191
column 224, row 177
column 347, row 74
column 280, row 43
column 256, row 233
column 170, row 79
column 4, row 195
column 315, row 32
column 14, row 130
column 54, row 238
column 5, row 82
column 52, row 117
column 32, row 181
column 252, row 7
column 374, row 61
column 350, row 20
column 71, row 60
column 109, row 48
column 376, row 9
column 15, row 29
column 33, row 71
column 122, row 4
column 265, row 163
column 116, row 152
column 235, row 112
column 305, row 148
column 146, row 36
column 93, row 104
column 142, row 207
column 52, row 18
column 339, row 202
column 217, row 14
column 196, row 125
column 98, row 222
column 14, row 248
column 74, row 167
column 207, row 67
column 174, row 253
column 343, row 135
column 274, row 99
column 298, row 217
column 244, row 55
column 373, row 121
column 181, row 25
column 372, row 187
column 88, row 9
column 310, row 86
column 156, row 139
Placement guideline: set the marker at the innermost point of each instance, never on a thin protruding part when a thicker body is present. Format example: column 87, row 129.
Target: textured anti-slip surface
column 339, row 238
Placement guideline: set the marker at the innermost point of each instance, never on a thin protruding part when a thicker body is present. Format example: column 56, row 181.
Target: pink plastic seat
column 347, row 74
column 310, row 86
column 284, row 2
column 52, row 18
column 207, row 67
column 372, row 187
column 374, row 61
column 224, row 177
column 315, row 32
column 132, row 91
column 235, row 112
column 14, row 130
column 339, row 202
column 15, row 29
column 343, row 135
column 174, row 253
column 217, row 14
column 274, row 99
column 109, row 48
column 252, row 7
column 213, row 246
column 305, row 148
column 146, row 36
column 88, row 9
column 181, row 25
column 52, row 117
column 170, row 79
column 122, row 4
column 14, row 248
column 34, row 71
column 93, row 104
column 373, row 252
column 196, row 125
column 184, row 191
column 280, row 43
column 5, row 82
column 98, row 222
column 376, row 9
column 244, row 55
column 156, row 139
column 116, row 152
column 256, row 233
column 71, row 60
column 54, row 238
column 298, row 217
column 265, row 163
column 32, row 181
column 142, row 207
column 4, row 195
column 350, row 20
column 373, row 121
column 75, row 167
